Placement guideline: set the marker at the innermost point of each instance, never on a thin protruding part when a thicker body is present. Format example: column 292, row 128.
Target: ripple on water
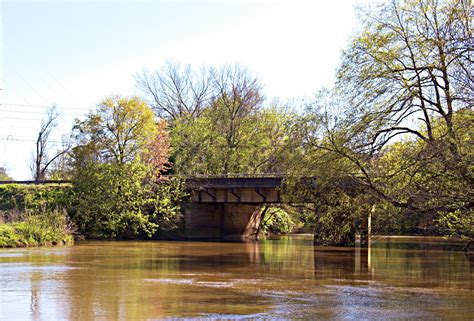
column 215, row 284
column 11, row 255
column 171, row 281
column 212, row 284
column 29, row 267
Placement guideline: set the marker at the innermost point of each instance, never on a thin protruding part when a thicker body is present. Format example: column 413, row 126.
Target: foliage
column 214, row 144
column 457, row 223
column 409, row 72
column 37, row 228
column 335, row 208
column 120, row 155
column 16, row 199
column 398, row 124
column 409, row 65
column 118, row 131
column 166, row 204
column 125, row 201
column 277, row 220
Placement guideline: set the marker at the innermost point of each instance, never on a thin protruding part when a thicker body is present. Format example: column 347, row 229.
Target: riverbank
column 424, row 238
column 41, row 229
column 33, row 232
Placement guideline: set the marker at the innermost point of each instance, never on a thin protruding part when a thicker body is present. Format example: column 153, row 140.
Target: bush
column 457, row 224
column 43, row 228
column 16, row 199
column 277, row 221
column 124, row 201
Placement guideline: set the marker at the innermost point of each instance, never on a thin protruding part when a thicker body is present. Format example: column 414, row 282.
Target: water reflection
column 285, row 278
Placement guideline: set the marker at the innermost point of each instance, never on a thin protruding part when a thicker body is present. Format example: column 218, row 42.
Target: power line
column 51, row 142
column 60, row 84
column 14, row 126
column 18, row 118
column 33, row 112
column 60, row 116
column 41, row 106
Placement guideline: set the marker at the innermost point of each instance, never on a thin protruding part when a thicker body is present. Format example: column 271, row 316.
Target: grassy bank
column 34, row 215
column 37, row 229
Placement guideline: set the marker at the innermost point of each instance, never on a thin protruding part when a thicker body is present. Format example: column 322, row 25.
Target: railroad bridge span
column 228, row 207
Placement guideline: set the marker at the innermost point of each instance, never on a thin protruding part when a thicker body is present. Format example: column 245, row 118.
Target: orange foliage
column 158, row 150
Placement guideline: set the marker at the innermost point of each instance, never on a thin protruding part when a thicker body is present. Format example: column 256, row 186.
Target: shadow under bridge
column 228, row 207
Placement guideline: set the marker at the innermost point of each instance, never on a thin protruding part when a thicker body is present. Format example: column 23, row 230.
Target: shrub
column 16, row 199
column 38, row 228
column 277, row 221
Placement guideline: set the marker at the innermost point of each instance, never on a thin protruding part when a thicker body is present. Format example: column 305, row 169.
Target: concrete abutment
column 229, row 221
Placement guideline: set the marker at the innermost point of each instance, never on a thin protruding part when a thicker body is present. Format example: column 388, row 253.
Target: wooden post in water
column 363, row 232
column 369, row 224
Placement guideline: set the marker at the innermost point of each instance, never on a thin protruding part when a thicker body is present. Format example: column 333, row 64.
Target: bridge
column 249, row 190
column 222, row 206
column 228, row 207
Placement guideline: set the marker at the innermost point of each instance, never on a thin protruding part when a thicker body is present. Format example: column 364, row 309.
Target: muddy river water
column 285, row 278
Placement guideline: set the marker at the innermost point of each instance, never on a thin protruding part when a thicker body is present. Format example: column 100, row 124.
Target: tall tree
column 235, row 133
column 120, row 130
column 396, row 122
column 176, row 90
column 409, row 72
column 41, row 160
column 411, row 64
column 120, row 154
column 239, row 98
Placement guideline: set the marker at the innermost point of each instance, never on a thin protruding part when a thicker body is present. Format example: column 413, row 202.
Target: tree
column 176, row 90
column 259, row 143
column 394, row 123
column 408, row 72
column 235, row 133
column 411, row 65
column 121, row 130
column 120, row 155
column 113, row 200
column 412, row 60
column 239, row 98
column 41, row 160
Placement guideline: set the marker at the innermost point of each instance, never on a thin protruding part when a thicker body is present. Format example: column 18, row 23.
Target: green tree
column 407, row 76
column 259, row 143
column 119, row 131
column 409, row 66
column 234, row 134
column 119, row 190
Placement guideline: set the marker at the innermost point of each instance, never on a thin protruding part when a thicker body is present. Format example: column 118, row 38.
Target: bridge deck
column 233, row 182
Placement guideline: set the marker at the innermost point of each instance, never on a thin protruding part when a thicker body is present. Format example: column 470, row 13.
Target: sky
column 75, row 53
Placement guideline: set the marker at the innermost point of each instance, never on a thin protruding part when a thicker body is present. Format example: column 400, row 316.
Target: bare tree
column 176, row 90
column 238, row 97
column 41, row 160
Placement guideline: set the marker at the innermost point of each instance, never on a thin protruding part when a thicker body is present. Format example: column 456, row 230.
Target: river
column 285, row 278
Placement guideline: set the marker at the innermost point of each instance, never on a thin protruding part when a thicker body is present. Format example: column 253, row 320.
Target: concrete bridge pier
column 229, row 221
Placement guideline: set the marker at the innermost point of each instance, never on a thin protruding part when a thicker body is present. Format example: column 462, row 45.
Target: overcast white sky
column 74, row 53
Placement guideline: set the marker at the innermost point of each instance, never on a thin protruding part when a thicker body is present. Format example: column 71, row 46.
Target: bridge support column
column 221, row 221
